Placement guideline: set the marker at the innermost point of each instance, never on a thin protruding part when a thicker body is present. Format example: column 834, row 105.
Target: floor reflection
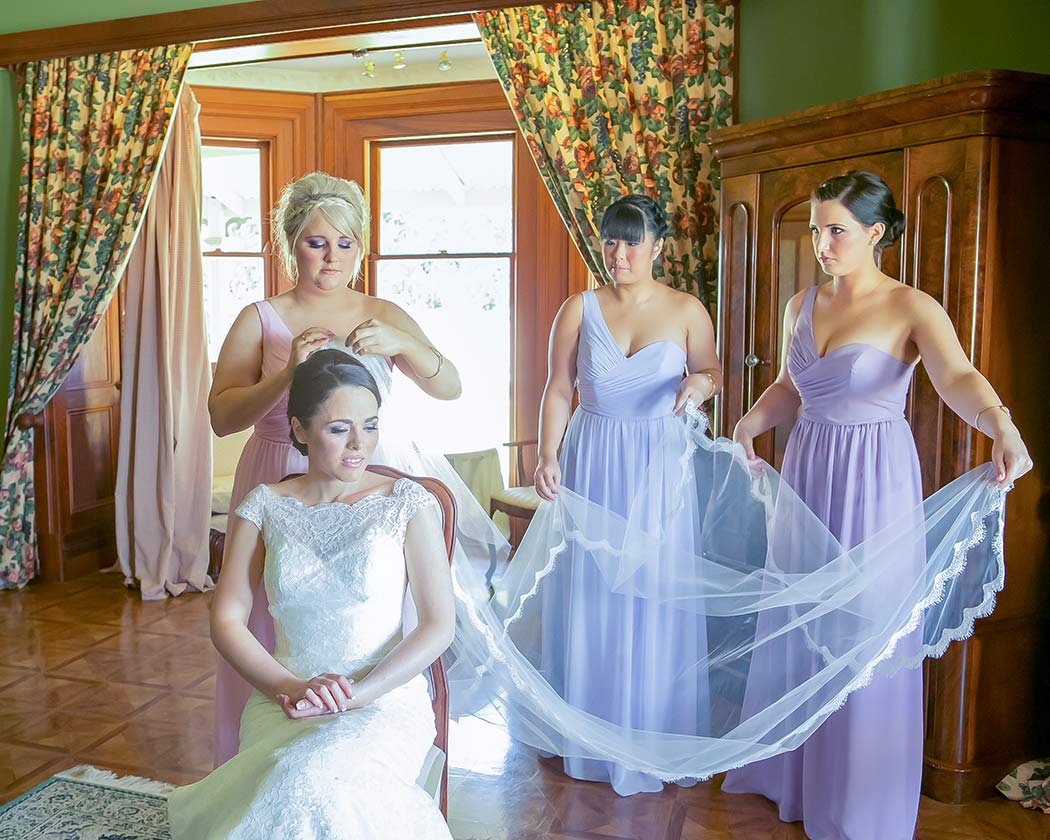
column 91, row 674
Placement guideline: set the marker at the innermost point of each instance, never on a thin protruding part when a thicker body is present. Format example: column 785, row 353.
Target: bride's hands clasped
column 325, row 694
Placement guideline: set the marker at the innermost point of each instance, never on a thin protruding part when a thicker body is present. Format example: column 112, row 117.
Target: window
column 444, row 249
column 234, row 232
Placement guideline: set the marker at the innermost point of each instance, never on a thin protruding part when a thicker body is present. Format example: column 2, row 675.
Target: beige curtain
column 163, row 494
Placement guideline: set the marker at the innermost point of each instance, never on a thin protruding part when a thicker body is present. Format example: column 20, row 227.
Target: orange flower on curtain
column 93, row 129
column 618, row 97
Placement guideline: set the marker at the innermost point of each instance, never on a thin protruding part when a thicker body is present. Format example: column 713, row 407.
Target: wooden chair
column 521, row 500
column 438, row 681
column 216, row 544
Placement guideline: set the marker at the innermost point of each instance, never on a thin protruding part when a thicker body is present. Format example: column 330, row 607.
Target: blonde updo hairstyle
column 342, row 203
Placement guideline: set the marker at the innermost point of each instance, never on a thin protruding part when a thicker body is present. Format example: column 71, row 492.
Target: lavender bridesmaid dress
column 616, row 656
column 851, row 457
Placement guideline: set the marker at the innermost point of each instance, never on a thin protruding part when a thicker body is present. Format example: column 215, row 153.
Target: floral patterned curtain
column 93, row 129
column 618, row 96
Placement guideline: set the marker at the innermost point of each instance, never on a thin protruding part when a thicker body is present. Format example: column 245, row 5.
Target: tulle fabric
column 479, row 542
column 794, row 621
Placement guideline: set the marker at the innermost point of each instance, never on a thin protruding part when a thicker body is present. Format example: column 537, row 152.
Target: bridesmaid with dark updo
column 850, row 349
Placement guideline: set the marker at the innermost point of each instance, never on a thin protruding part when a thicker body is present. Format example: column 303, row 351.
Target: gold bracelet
column 977, row 418
column 711, row 379
column 441, row 364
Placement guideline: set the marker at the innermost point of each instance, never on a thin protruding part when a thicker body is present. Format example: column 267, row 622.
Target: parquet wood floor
column 91, row 674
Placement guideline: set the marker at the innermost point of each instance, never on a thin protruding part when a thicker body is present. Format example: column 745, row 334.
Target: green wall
column 793, row 54
column 20, row 17
column 801, row 53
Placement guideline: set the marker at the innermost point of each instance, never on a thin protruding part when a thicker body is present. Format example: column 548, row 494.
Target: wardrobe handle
column 752, row 361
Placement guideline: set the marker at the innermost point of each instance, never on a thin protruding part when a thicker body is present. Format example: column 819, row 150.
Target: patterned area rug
column 88, row 804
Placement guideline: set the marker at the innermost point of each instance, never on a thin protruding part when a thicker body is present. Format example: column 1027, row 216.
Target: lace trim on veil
column 499, row 648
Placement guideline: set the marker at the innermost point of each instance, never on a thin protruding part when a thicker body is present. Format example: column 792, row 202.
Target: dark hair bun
column 316, row 378
column 894, row 228
column 631, row 217
column 867, row 197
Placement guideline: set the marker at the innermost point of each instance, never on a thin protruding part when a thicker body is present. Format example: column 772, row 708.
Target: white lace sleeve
column 415, row 497
column 253, row 507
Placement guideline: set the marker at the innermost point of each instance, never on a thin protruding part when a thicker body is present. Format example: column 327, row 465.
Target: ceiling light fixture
column 370, row 69
column 443, row 61
column 399, row 60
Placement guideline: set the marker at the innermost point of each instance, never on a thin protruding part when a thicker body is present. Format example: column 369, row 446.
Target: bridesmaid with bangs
column 636, row 352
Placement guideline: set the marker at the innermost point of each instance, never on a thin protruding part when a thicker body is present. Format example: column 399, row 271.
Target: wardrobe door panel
column 736, row 292
column 947, row 187
column 76, row 460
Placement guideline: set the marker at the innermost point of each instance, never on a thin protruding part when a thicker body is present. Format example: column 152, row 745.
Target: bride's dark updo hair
column 631, row 217
column 868, row 198
column 316, row 378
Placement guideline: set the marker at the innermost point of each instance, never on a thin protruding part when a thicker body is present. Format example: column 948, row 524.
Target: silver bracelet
column 441, row 364
column 977, row 417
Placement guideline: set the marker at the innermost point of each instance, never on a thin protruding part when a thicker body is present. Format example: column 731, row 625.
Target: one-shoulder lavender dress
column 609, row 654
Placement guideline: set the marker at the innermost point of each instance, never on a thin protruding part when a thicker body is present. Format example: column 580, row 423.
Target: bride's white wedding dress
column 335, row 578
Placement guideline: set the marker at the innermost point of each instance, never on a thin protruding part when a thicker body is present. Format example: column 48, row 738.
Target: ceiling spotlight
column 399, row 60
column 370, row 69
column 443, row 61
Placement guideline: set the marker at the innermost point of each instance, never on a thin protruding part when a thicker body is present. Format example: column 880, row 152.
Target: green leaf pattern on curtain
column 619, row 97
column 93, row 129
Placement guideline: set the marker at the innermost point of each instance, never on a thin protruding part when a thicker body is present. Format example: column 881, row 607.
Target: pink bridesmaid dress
column 268, row 456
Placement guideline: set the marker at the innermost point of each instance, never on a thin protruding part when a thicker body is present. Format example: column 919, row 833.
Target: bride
column 340, row 721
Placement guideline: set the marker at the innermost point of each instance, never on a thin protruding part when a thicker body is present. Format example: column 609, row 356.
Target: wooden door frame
column 307, row 18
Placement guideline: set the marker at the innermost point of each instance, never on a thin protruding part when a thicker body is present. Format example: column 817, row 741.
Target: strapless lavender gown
column 612, row 655
column 851, row 457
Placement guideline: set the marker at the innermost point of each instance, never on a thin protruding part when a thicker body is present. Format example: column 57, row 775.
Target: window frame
column 266, row 251
column 375, row 257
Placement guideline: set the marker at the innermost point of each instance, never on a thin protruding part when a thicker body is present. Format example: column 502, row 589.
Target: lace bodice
column 335, row 576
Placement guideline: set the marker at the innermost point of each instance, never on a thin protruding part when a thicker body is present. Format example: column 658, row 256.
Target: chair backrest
column 438, row 682
column 523, row 468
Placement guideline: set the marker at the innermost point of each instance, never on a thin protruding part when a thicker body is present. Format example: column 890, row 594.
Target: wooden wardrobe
column 968, row 159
